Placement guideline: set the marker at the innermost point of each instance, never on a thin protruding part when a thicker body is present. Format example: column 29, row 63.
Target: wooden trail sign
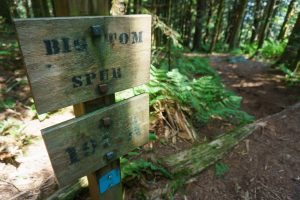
column 75, row 59
column 82, row 145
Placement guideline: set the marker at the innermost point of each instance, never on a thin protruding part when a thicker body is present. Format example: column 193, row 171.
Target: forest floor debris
column 266, row 165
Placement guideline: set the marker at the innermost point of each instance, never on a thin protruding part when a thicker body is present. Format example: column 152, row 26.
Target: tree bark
column 27, row 9
column 218, row 26
column 273, row 18
column 80, row 7
column 5, row 11
column 268, row 12
column 290, row 56
column 40, row 8
column 236, row 21
column 286, row 19
column 257, row 15
column 208, row 19
column 187, row 24
column 201, row 6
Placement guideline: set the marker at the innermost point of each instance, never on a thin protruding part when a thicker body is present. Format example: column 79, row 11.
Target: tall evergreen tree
column 257, row 12
column 201, row 6
column 5, row 11
column 286, row 19
column 268, row 12
column 290, row 56
column 40, row 8
column 236, row 22
column 218, row 25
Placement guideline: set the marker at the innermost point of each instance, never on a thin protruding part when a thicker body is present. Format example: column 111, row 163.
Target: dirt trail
column 262, row 90
column 267, row 164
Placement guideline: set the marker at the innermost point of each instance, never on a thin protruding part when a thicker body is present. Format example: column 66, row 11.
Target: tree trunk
column 187, row 24
column 208, row 19
column 5, row 11
column 273, row 18
column 40, row 8
column 198, row 25
column 94, row 7
column 290, row 56
column 137, row 6
column 268, row 12
column 27, row 9
column 257, row 15
column 217, row 27
column 80, row 7
column 236, row 21
column 286, row 19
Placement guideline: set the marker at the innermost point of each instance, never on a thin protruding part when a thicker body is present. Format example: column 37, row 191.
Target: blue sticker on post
column 109, row 180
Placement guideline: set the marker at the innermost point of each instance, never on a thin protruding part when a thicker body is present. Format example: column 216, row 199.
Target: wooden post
column 80, row 109
column 84, row 108
column 93, row 179
column 101, row 56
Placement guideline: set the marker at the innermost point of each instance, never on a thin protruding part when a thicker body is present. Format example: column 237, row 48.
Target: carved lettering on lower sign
column 89, row 147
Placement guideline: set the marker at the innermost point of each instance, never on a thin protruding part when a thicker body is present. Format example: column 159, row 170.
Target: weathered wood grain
column 78, row 147
column 65, row 63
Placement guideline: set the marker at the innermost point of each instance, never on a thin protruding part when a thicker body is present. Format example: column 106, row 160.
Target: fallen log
column 192, row 161
column 69, row 192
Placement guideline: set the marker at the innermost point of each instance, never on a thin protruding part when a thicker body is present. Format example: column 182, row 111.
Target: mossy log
column 69, row 192
column 193, row 161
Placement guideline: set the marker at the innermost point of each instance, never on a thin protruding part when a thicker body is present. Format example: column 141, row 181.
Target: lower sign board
column 85, row 144
column 69, row 58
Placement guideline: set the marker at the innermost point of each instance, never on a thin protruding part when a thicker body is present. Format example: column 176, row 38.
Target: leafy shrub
column 188, row 95
column 137, row 168
column 221, row 169
column 249, row 49
column 204, row 97
column 273, row 49
column 7, row 104
column 291, row 77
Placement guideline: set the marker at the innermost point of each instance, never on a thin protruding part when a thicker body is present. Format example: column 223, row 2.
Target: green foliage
column 221, row 169
column 152, row 137
column 195, row 66
column 15, row 128
column 8, row 103
column 9, row 52
column 273, row 49
column 135, row 169
column 236, row 52
column 291, row 77
column 249, row 49
column 206, row 96
column 166, row 30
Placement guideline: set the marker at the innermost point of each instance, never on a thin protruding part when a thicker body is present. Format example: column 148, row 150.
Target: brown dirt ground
column 264, row 166
column 267, row 164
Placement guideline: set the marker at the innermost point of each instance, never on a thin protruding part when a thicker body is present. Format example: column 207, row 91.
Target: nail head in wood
column 103, row 88
column 110, row 155
column 96, row 30
column 106, row 121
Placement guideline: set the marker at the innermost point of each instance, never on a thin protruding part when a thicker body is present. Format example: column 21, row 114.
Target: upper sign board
column 67, row 58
